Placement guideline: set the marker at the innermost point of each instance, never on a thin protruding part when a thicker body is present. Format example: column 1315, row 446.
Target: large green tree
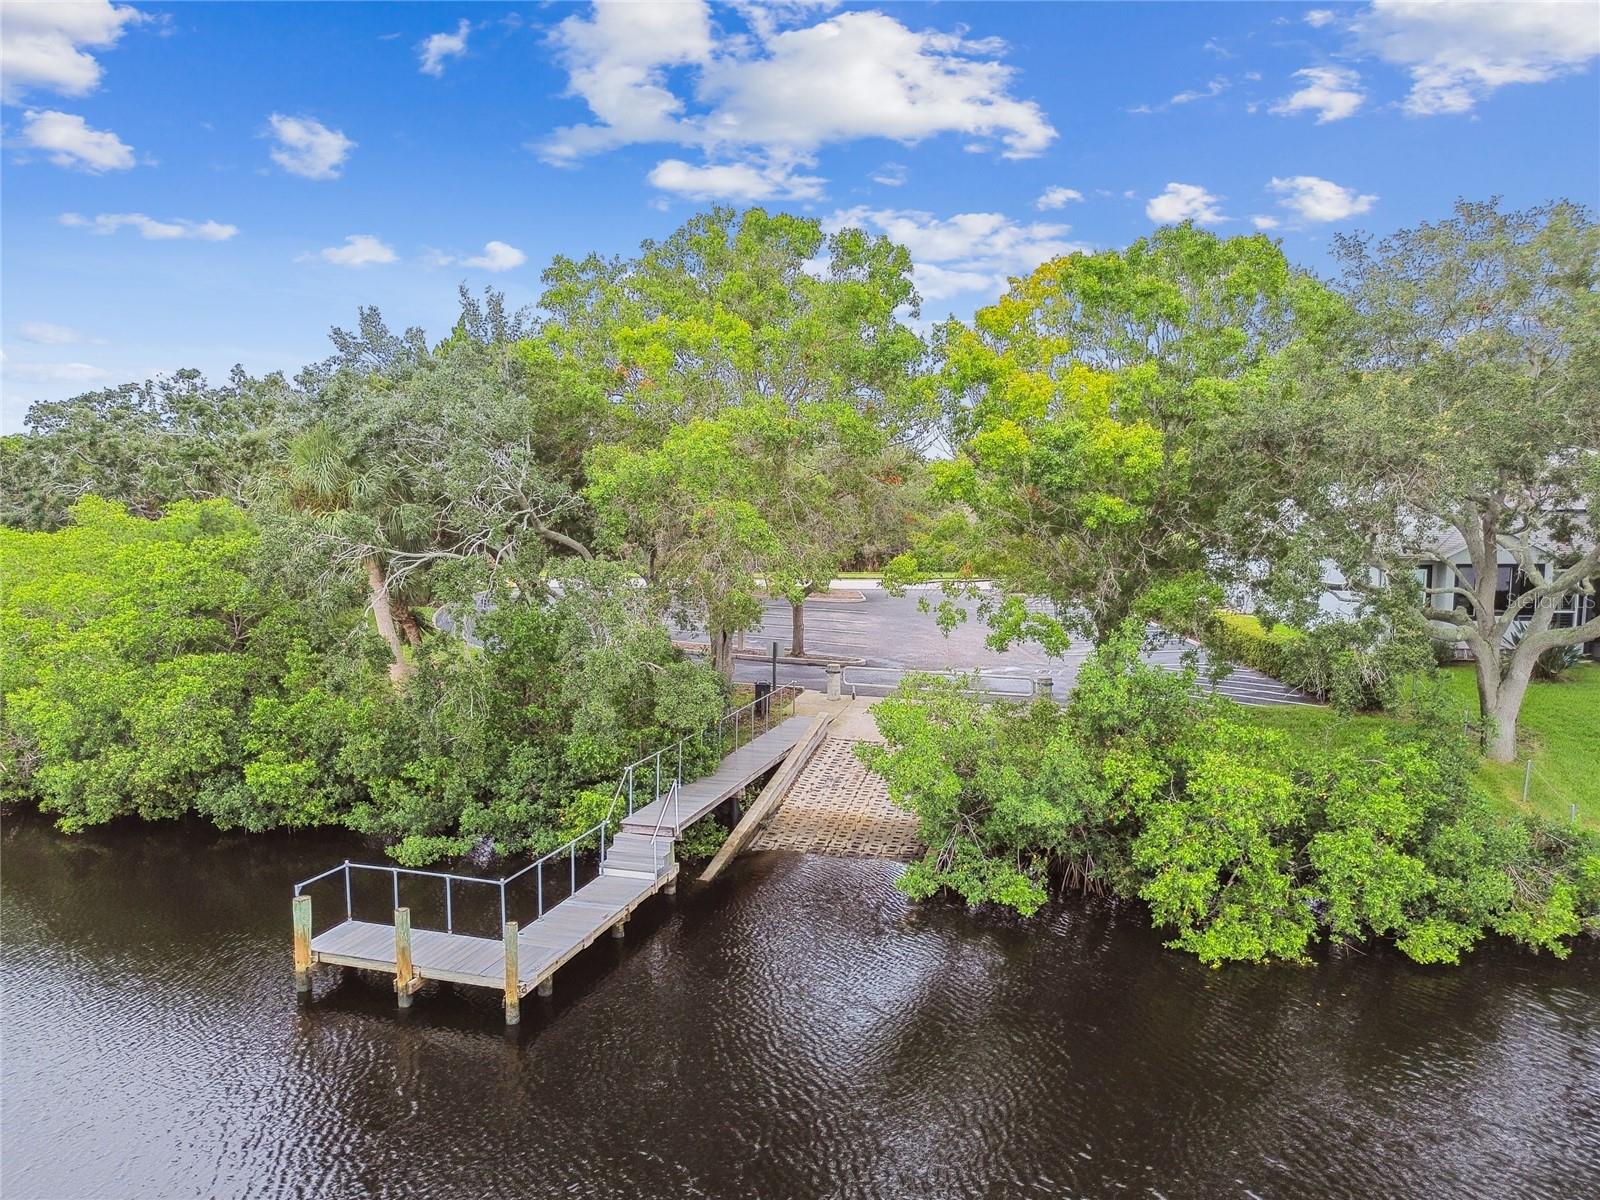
column 801, row 329
column 1461, row 411
column 175, row 437
column 1093, row 412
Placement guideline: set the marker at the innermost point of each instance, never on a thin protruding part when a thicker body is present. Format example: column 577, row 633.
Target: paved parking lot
column 893, row 634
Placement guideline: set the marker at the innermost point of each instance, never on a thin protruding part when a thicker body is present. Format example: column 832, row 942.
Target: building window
column 1509, row 583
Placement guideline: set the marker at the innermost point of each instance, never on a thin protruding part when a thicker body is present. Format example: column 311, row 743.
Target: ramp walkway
column 651, row 808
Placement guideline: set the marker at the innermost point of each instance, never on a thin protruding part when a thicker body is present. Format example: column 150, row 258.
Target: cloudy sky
column 204, row 184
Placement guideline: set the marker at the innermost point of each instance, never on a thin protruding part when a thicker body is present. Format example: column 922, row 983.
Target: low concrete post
column 513, row 980
column 835, row 673
column 1047, row 688
column 404, row 974
column 302, row 945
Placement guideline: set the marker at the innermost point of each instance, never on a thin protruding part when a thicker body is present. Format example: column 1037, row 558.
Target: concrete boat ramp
column 654, row 805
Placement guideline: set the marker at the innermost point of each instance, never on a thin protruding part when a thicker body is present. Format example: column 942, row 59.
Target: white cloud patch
column 1333, row 93
column 891, row 174
column 69, row 141
column 44, row 333
column 964, row 253
column 1056, row 197
column 1264, row 223
column 73, row 372
column 664, row 73
column 43, row 45
column 496, row 256
column 151, row 229
column 1459, row 53
column 1318, row 200
column 434, row 49
column 359, row 250
column 742, row 181
column 1318, row 17
column 1185, row 202
column 308, row 148
column 1215, row 88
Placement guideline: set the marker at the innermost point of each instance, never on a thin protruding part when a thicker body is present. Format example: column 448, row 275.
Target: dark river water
column 796, row 1030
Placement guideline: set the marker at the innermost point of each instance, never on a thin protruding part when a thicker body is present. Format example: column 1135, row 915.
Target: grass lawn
column 1559, row 729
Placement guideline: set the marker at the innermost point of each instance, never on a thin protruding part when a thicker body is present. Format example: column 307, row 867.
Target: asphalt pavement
column 890, row 635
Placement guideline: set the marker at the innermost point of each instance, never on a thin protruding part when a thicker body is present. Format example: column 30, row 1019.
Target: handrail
column 672, row 794
column 786, row 692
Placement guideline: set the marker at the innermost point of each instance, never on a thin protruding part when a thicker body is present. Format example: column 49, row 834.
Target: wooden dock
column 636, row 864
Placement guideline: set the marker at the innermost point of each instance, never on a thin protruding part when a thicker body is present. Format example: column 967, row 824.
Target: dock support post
column 513, row 980
column 302, row 945
column 618, row 930
column 404, row 976
column 547, row 985
column 671, row 888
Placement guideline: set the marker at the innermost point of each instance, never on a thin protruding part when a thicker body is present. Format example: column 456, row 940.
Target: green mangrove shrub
column 1245, row 845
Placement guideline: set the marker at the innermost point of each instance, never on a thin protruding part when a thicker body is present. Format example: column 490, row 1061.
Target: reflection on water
column 795, row 1030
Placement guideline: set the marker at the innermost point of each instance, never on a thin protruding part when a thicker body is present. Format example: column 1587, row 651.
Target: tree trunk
column 383, row 612
column 797, row 633
column 722, row 653
column 1503, row 703
column 408, row 624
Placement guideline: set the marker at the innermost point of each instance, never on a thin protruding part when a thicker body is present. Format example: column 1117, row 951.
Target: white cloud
column 664, row 73
column 964, row 253
column 70, row 142
column 1264, row 222
column 308, row 148
column 359, row 250
column 891, row 174
column 152, row 229
column 434, row 49
column 74, row 372
column 764, row 16
column 496, row 256
column 616, row 60
column 1333, row 93
column 735, row 181
column 41, row 45
column 45, row 333
column 1056, row 197
column 1318, row 17
column 1314, row 199
column 1458, row 53
column 1215, row 88
column 1184, row 202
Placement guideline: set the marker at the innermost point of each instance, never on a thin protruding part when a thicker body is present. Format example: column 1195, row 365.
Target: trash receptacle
column 763, row 698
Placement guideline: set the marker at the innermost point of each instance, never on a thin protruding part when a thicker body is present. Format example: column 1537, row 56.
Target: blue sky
column 204, row 184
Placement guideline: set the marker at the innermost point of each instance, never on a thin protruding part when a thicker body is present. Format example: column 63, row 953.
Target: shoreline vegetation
column 1254, row 834
column 218, row 600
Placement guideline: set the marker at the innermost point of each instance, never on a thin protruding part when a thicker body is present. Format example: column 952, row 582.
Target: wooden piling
column 547, row 985
column 404, row 975
column 513, row 981
column 302, row 945
column 618, row 930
